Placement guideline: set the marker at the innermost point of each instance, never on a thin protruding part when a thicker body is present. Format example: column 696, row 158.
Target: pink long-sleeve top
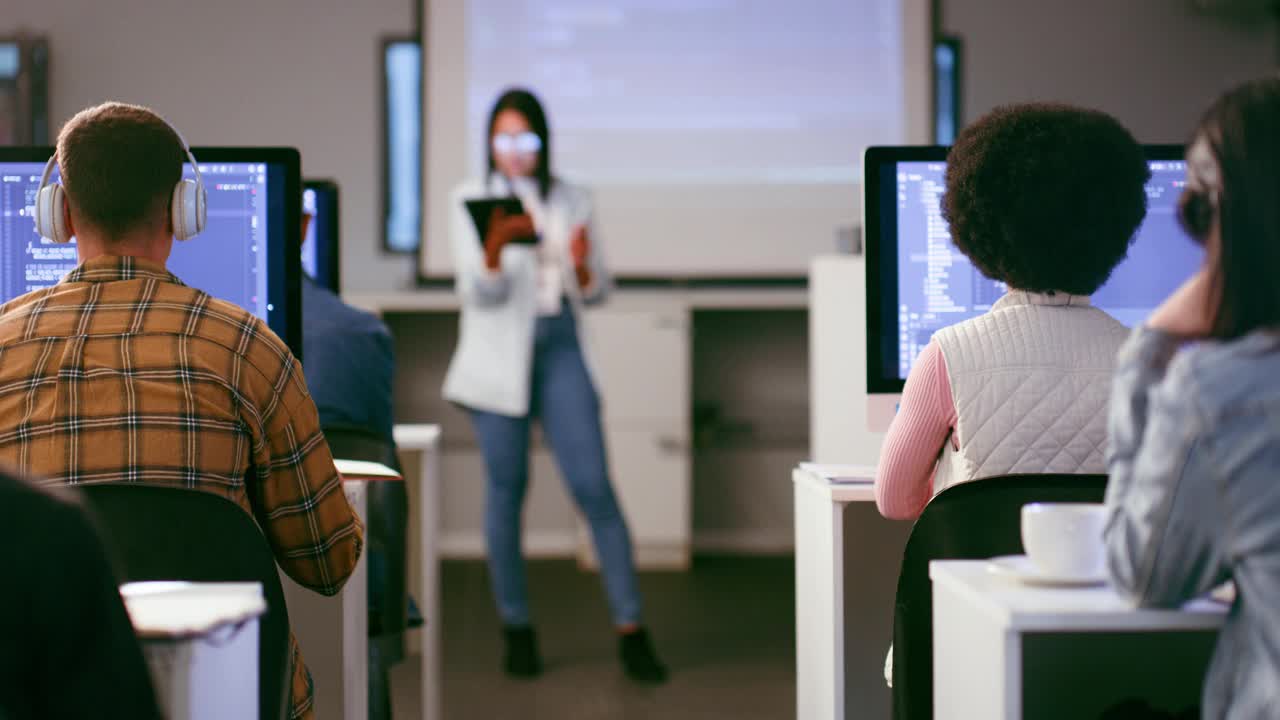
column 925, row 422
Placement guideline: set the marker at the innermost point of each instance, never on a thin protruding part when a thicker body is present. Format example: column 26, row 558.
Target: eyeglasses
column 525, row 143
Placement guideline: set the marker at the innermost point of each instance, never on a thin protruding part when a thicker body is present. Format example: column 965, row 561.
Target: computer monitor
column 247, row 254
column 320, row 244
column 918, row 282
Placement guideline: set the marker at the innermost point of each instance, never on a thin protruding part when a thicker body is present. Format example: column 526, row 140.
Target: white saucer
column 1021, row 568
column 1224, row 593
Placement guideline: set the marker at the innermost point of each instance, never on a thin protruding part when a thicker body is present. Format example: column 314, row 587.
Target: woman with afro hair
column 1046, row 199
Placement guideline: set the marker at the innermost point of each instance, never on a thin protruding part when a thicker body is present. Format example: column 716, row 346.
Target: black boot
column 522, row 652
column 639, row 660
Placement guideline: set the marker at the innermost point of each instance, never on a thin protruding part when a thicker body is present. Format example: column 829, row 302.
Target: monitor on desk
column 918, row 282
column 247, row 254
column 320, row 244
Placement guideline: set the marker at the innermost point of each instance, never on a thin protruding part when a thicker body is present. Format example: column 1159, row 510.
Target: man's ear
column 66, row 219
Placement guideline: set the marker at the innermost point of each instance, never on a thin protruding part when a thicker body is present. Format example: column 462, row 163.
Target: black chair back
column 167, row 533
column 969, row 521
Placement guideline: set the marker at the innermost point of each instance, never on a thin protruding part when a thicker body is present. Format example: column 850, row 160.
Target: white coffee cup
column 1064, row 540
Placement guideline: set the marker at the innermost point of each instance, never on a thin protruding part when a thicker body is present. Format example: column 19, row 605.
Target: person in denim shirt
column 1194, row 423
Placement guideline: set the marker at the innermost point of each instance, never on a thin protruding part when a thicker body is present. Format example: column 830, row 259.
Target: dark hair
column 1242, row 131
column 1045, row 197
column 525, row 103
column 119, row 165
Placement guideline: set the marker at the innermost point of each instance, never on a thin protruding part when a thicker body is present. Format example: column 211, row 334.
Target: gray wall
column 1155, row 64
column 304, row 73
column 251, row 72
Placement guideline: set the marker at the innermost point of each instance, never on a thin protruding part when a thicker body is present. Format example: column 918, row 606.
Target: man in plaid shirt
column 120, row 373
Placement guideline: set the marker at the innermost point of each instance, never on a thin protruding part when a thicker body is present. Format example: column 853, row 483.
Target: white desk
column 339, row 664
column 1074, row 650
column 847, row 562
column 338, row 661
column 419, row 447
column 201, row 644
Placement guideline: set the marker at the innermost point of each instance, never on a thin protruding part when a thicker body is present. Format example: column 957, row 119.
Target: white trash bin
column 201, row 645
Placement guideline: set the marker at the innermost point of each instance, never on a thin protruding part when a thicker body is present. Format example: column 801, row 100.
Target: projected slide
column 718, row 138
column 696, row 91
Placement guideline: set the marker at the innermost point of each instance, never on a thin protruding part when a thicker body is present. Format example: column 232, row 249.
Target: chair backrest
column 969, row 521
column 386, row 529
column 69, row 648
column 167, row 533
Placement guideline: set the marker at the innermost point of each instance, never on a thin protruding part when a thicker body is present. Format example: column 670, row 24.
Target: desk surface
column 1029, row 608
column 415, row 436
column 808, row 480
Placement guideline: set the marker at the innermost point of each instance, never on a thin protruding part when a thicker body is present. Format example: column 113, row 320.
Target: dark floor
column 726, row 629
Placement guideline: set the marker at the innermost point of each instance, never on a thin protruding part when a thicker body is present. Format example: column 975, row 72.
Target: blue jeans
column 564, row 401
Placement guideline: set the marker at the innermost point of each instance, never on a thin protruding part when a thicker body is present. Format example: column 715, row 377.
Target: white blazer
column 492, row 365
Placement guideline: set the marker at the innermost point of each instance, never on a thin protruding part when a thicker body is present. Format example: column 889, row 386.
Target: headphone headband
column 186, row 149
column 187, row 206
column 48, row 169
column 195, row 167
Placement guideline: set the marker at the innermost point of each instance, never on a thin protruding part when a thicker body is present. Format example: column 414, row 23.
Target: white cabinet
column 641, row 362
column 838, row 363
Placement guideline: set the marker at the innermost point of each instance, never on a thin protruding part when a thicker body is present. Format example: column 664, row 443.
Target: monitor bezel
column 878, row 383
column 328, row 263
column 290, row 161
column 25, row 153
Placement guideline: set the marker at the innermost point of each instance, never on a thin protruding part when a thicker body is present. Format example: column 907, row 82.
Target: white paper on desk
column 842, row 474
column 356, row 469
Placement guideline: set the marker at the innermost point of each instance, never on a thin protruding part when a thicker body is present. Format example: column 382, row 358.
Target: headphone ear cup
column 1196, row 213
column 188, row 211
column 50, row 219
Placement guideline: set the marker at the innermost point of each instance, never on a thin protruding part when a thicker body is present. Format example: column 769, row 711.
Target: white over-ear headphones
column 187, row 207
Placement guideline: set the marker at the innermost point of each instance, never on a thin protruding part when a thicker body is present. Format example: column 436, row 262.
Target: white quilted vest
column 1030, row 380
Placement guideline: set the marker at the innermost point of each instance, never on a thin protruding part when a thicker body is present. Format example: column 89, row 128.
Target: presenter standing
column 520, row 357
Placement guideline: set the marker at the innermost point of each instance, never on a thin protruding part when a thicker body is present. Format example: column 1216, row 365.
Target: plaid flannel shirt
column 120, row 373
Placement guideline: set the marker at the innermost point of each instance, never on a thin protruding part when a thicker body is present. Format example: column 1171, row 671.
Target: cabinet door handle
column 672, row 446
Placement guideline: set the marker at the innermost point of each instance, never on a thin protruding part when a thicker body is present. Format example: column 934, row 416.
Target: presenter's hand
column 503, row 230
column 579, row 250
column 1188, row 312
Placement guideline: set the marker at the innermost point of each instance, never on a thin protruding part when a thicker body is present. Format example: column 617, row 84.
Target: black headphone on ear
column 1199, row 206
column 1197, row 210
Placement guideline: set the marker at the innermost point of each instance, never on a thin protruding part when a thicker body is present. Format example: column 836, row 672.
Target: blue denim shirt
column 348, row 361
column 1194, row 497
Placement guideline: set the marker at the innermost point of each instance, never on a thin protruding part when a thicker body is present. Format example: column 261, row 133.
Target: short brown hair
column 119, row 165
